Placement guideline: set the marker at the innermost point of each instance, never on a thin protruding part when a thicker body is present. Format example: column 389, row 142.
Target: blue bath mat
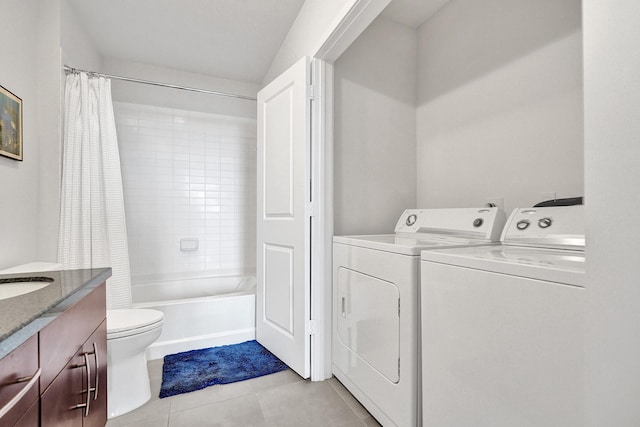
column 197, row 369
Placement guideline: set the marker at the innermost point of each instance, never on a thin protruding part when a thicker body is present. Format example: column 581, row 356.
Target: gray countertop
column 23, row 316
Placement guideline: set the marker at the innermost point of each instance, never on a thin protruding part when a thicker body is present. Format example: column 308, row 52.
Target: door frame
column 357, row 18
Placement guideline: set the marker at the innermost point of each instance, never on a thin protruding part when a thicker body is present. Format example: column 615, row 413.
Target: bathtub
column 199, row 312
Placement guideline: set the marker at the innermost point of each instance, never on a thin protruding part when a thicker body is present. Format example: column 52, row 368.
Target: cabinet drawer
column 16, row 369
column 61, row 339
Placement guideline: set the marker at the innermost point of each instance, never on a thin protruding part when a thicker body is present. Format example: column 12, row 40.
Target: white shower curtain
column 93, row 230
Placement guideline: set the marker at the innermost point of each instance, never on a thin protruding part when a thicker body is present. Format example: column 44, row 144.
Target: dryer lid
column 407, row 245
column 127, row 319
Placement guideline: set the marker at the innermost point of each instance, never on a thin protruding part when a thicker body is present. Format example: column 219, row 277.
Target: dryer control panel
column 484, row 223
column 560, row 227
column 410, row 221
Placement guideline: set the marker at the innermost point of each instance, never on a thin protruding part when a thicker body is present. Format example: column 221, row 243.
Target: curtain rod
column 69, row 69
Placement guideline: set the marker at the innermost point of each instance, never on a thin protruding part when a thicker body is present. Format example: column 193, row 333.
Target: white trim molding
column 356, row 19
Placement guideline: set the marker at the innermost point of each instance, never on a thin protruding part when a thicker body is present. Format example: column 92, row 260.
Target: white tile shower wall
column 187, row 174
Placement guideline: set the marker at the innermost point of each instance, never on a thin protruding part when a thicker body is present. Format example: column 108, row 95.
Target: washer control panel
column 545, row 222
column 553, row 227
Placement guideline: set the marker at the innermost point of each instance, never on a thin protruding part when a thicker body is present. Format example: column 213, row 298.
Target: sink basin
column 17, row 286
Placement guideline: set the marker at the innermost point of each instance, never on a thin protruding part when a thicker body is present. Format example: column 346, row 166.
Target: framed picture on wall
column 10, row 125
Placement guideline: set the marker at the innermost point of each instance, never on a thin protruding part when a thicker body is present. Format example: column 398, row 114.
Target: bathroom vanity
column 53, row 350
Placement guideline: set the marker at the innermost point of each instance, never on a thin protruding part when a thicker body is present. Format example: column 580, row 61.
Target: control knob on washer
column 523, row 224
column 545, row 222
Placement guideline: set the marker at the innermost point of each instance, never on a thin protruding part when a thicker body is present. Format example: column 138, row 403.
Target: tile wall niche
column 187, row 175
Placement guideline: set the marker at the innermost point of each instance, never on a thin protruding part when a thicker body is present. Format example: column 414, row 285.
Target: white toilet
column 129, row 333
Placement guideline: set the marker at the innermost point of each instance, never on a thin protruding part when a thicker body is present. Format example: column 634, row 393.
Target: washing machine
column 502, row 330
column 376, row 304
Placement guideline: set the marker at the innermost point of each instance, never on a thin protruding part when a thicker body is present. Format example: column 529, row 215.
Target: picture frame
column 10, row 124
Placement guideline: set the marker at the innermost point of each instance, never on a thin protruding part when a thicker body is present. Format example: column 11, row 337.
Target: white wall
column 30, row 192
column 612, row 159
column 311, row 28
column 19, row 189
column 78, row 50
column 187, row 174
column 174, row 98
column 375, row 129
column 500, row 103
column 30, row 53
column 49, row 116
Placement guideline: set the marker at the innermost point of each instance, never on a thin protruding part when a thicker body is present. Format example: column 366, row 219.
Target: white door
column 283, row 229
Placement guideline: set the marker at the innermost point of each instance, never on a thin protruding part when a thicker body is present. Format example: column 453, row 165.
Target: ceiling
column 412, row 12
column 233, row 39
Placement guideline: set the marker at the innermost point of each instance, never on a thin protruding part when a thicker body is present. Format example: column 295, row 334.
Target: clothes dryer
column 376, row 304
column 502, row 341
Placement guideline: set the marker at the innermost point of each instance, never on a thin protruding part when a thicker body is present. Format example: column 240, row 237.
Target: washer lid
column 404, row 245
column 133, row 318
column 552, row 265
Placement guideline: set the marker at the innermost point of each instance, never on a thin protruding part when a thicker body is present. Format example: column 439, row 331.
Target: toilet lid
column 123, row 320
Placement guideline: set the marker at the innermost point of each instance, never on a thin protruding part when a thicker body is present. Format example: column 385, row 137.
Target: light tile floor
column 281, row 399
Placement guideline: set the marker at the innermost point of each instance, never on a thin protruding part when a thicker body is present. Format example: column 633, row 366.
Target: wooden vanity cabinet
column 73, row 359
column 19, row 375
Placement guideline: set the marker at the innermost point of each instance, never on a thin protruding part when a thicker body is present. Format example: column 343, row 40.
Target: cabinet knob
column 97, row 376
column 87, row 368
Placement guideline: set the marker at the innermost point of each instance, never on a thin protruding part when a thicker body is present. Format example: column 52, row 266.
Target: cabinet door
column 96, row 347
column 60, row 403
column 19, row 376
column 60, row 339
column 31, row 417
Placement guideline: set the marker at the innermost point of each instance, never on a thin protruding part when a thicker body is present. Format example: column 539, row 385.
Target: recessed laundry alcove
column 444, row 104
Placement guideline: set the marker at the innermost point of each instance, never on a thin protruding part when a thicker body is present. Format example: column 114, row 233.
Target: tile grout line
column 339, row 393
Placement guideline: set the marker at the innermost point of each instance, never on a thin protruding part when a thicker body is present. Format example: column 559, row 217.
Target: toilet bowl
column 129, row 333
